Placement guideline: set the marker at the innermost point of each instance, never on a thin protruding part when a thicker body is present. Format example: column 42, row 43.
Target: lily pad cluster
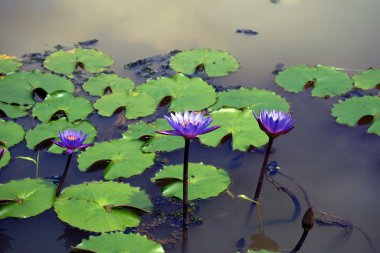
column 9, row 64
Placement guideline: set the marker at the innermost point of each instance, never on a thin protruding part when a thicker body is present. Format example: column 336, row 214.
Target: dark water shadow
column 5, row 241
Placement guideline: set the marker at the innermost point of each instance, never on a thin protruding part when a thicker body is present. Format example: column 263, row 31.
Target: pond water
column 338, row 166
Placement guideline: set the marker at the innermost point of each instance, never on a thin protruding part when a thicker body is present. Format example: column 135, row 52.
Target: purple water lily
column 71, row 140
column 275, row 123
column 189, row 125
column 2, row 152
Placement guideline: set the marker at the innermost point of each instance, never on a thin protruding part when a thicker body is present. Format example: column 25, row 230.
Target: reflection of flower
column 188, row 125
column 2, row 152
column 71, row 140
column 275, row 123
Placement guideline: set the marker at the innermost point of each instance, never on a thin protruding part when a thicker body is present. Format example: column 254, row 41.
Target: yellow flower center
column 72, row 137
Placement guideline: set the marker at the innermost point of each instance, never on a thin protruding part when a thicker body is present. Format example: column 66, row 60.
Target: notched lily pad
column 11, row 133
column 26, row 198
column 368, row 79
column 137, row 104
column 103, row 206
column 73, row 108
column 186, row 94
column 241, row 125
column 254, row 99
column 13, row 111
column 123, row 158
column 326, row 81
column 5, row 159
column 118, row 242
column 205, row 181
column 154, row 142
column 42, row 134
column 214, row 62
column 103, row 83
column 65, row 62
column 9, row 64
column 359, row 110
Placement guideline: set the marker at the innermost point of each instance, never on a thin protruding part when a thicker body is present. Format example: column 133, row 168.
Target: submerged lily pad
column 9, row 64
column 254, row 99
column 353, row 110
column 65, row 62
column 98, row 85
column 137, row 104
column 11, row 133
column 187, row 94
column 326, row 81
column 368, row 79
column 74, row 108
column 119, row 242
column 241, row 125
column 155, row 142
column 205, row 181
column 18, row 87
column 44, row 133
column 102, row 206
column 14, row 111
column 5, row 159
column 214, row 62
column 25, row 198
column 124, row 158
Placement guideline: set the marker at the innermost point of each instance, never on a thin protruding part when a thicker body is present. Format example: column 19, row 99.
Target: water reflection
column 73, row 236
column 5, row 241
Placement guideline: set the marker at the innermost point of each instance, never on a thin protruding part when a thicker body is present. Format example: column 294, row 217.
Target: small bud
column 308, row 220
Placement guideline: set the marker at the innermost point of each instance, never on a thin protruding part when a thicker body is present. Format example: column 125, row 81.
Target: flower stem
column 185, row 183
column 263, row 169
column 59, row 188
column 300, row 242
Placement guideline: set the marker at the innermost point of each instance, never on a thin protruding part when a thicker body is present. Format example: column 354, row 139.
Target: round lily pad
column 155, row 142
column 205, row 181
column 368, row 79
column 214, row 62
column 74, row 108
column 352, row 110
column 98, row 85
column 254, row 99
column 241, row 125
column 326, row 81
column 25, row 198
column 18, row 87
column 119, row 242
column 137, row 104
column 124, row 157
column 14, row 111
column 187, row 94
column 65, row 62
column 5, row 159
column 102, row 206
column 9, row 64
column 43, row 133
column 11, row 133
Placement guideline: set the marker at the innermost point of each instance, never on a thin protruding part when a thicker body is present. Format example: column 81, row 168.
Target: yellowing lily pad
column 98, row 85
column 9, row 64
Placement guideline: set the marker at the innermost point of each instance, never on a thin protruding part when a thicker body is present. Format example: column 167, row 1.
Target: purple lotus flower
column 71, row 140
column 275, row 123
column 2, row 152
column 188, row 125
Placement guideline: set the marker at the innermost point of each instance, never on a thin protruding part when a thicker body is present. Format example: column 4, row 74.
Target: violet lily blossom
column 71, row 140
column 275, row 123
column 189, row 125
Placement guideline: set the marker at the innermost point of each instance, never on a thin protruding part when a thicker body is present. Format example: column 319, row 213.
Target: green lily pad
column 187, row 94
column 352, row 110
column 119, row 242
column 11, row 133
column 327, row 81
column 125, row 158
column 5, row 159
column 214, row 62
column 45, row 132
column 156, row 142
column 98, row 85
column 103, row 206
column 368, row 79
column 14, row 111
column 26, row 198
column 9, row 64
column 137, row 104
column 205, row 181
column 18, row 87
column 242, row 125
column 65, row 62
column 254, row 99
column 75, row 108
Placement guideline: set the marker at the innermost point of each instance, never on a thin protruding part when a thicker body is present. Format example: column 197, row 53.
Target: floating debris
column 247, row 31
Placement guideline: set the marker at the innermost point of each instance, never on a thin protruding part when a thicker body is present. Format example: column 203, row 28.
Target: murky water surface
column 338, row 166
